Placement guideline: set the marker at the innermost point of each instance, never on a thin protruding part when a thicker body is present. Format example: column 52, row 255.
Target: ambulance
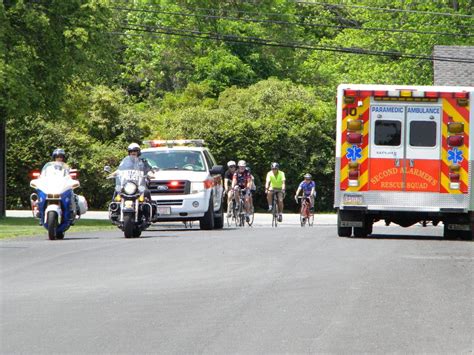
column 404, row 155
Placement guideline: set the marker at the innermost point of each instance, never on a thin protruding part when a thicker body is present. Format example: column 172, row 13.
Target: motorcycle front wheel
column 52, row 220
column 129, row 225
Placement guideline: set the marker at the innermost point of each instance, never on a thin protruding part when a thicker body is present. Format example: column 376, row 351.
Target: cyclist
column 253, row 189
column 308, row 186
column 228, row 177
column 242, row 183
column 275, row 183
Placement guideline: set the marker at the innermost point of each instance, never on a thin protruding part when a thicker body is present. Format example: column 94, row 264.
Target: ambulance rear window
column 422, row 134
column 388, row 133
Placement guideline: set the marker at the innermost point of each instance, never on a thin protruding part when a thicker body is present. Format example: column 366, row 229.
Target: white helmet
column 242, row 163
column 134, row 147
column 231, row 163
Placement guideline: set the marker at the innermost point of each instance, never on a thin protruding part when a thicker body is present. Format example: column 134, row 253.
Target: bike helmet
column 59, row 152
column 307, row 176
column 275, row 165
column 242, row 163
column 134, row 147
column 231, row 163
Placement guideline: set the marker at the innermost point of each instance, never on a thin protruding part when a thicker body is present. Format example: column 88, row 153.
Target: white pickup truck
column 187, row 183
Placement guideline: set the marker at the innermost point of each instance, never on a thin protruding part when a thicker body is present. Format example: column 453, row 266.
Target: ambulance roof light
column 461, row 95
column 170, row 143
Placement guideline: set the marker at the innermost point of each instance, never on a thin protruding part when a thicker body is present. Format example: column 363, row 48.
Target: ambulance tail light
column 454, row 181
column 354, row 173
column 455, row 168
column 455, row 127
column 349, row 96
column 462, row 98
column 353, row 165
column 461, row 95
column 455, row 141
column 354, row 178
column 354, row 138
column 354, row 125
column 454, row 177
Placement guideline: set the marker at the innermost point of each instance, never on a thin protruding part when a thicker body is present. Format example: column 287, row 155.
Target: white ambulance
column 404, row 155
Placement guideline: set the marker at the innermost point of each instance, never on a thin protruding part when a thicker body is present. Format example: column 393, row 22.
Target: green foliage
column 270, row 121
column 92, row 76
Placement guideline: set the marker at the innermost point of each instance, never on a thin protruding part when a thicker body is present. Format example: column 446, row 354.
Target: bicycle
column 233, row 218
column 306, row 216
column 242, row 213
column 275, row 210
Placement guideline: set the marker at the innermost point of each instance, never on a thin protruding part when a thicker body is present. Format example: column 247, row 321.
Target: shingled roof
column 454, row 73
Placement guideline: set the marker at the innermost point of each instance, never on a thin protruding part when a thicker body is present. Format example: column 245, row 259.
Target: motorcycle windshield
column 130, row 170
column 55, row 169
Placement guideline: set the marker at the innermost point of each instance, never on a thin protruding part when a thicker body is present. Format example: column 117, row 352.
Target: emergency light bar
column 405, row 95
column 171, row 143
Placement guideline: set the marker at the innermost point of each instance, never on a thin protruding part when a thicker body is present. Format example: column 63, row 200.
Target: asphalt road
column 253, row 290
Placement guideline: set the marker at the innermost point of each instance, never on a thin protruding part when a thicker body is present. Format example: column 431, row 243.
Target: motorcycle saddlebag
column 82, row 203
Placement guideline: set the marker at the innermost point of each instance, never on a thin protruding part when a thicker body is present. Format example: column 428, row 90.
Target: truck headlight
column 130, row 188
column 201, row 186
column 197, row 187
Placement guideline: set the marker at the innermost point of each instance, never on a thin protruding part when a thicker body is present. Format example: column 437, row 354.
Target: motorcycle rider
column 59, row 157
column 134, row 151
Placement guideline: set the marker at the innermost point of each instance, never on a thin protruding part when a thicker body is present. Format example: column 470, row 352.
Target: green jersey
column 276, row 181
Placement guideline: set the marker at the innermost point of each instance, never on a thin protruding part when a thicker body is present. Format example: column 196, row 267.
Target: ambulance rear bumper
column 402, row 201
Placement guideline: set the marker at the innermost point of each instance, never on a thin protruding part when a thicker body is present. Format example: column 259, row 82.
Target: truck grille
column 169, row 187
column 169, row 202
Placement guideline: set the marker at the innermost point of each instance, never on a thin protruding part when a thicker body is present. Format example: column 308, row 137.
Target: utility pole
column 3, row 166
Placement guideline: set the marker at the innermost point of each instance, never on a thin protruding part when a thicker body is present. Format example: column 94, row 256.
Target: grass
column 17, row 226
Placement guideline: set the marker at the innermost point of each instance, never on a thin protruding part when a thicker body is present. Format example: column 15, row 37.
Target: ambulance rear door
column 423, row 148
column 387, row 142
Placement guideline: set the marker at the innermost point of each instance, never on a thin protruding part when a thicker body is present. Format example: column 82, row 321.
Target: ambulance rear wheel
column 342, row 231
column 369, row 225
column 360, row 232
column 449, row 234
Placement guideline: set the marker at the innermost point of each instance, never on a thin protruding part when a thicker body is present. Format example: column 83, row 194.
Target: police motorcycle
column 54, row 202
column 130, row 209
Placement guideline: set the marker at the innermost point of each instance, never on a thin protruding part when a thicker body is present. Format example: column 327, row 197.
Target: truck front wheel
column 207, row 222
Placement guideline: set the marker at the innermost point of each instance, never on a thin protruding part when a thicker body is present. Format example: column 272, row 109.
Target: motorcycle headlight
column 130, row 188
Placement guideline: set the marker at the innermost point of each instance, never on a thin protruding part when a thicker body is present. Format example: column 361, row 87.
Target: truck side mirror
column 217, row 170
column 107, row 169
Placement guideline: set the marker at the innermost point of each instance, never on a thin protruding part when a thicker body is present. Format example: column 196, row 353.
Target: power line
column 382, row 9
column 154, row 6
column 280, row 22
column 294, row 45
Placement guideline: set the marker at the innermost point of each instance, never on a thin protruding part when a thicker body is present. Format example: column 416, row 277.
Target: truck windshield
column 176, row 160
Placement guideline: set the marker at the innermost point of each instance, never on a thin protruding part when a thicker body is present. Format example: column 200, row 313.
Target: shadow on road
column 413, row 237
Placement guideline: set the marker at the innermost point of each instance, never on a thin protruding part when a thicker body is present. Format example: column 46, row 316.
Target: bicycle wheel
column 302, row 220
column 311, row 219
column 242, row 219
column 251, row 217
column 235, row 216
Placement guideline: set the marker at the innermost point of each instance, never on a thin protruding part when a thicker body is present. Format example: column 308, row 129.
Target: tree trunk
column 3, row 167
